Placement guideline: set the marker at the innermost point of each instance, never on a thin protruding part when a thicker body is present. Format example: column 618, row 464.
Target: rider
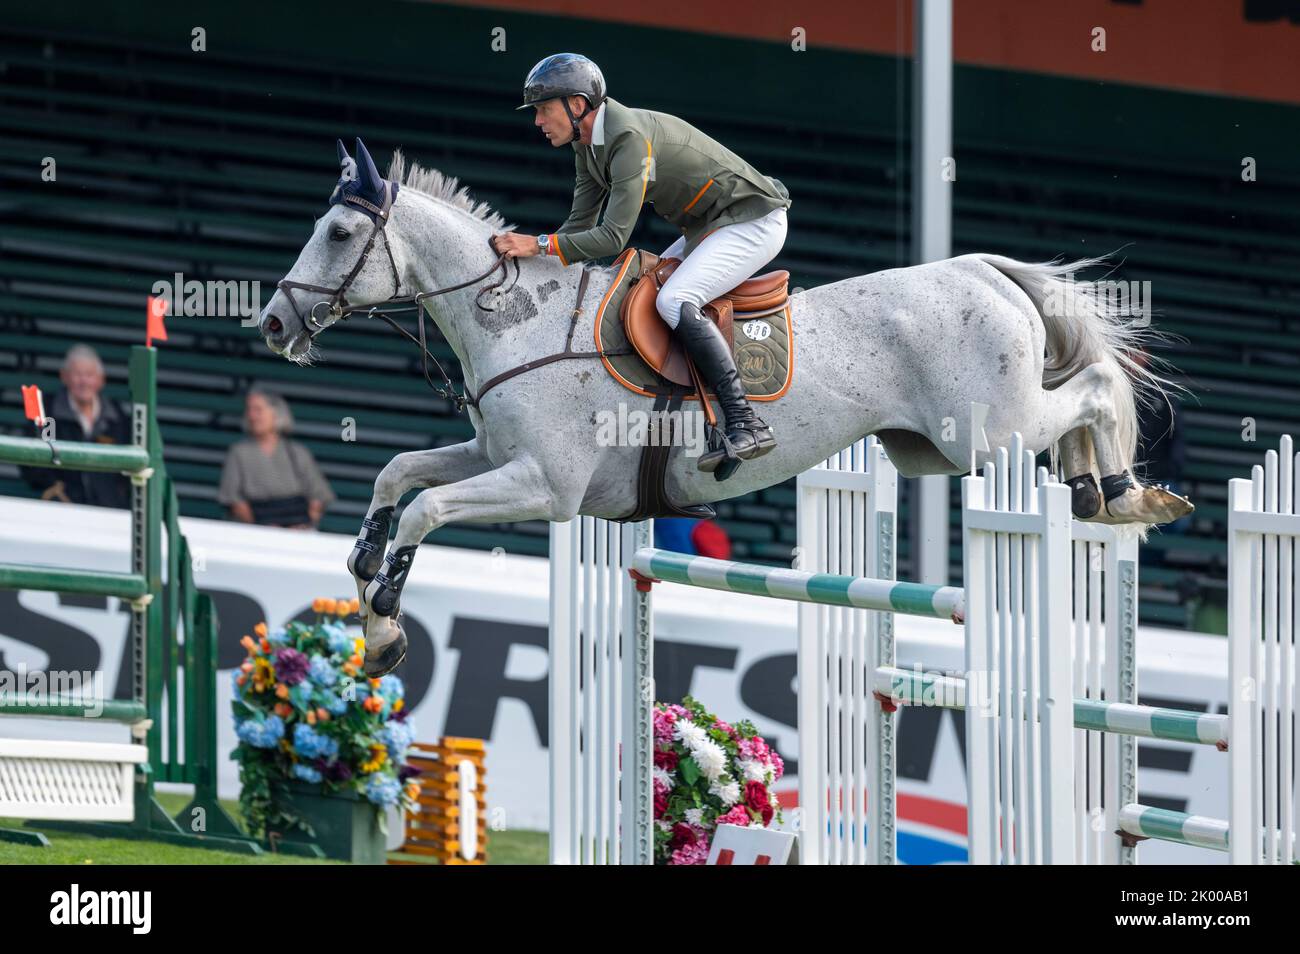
column 731, row 216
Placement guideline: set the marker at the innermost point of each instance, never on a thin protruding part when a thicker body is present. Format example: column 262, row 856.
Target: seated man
column 731, row 216
column 82, row 412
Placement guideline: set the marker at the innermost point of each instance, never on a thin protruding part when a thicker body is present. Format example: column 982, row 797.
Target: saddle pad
column 760, row 345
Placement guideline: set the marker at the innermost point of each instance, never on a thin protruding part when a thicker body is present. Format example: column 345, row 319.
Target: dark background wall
column 211, row 164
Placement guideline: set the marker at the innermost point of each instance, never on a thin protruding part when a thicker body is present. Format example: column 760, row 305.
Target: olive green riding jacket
column 693, row 181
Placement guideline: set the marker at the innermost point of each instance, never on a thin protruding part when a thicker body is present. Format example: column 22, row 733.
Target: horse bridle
column 338, row 301
column 340, row 310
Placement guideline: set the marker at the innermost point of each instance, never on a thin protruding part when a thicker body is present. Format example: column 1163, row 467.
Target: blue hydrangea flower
column 278, row 637
column 391, row 687
column 306, row 773
column 311, row 744
column 260, row 733
column 323, row 672
column 383, row 789
column 339, row 640
column 398, row 736
column 336, row 705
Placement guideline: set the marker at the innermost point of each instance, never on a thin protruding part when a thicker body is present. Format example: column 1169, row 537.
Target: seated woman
column 268, row 478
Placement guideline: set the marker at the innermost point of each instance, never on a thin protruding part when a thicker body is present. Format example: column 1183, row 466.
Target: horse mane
column 444, row 188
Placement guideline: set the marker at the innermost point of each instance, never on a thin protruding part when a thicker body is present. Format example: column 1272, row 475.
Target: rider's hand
column 515, row 245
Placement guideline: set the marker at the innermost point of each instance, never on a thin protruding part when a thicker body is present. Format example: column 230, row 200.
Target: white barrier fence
column 1049, row 689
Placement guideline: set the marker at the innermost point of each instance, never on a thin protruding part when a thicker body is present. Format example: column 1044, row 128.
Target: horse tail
column 1083, row 328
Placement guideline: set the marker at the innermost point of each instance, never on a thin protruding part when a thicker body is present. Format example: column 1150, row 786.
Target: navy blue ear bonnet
column 360, row 186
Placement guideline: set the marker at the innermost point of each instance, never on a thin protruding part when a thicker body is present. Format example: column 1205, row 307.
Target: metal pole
column 932, row 237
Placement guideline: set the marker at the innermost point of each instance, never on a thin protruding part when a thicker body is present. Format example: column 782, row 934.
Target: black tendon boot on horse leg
column 746, row 436
column 384, row 597
column 368, row 551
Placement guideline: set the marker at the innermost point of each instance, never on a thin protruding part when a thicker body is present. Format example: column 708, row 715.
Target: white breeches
column 724, row 259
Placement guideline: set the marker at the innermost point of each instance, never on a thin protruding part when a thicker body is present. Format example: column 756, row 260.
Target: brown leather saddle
column 654, row 340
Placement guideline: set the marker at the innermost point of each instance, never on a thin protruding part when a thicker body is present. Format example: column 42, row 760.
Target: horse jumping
column 901, row 354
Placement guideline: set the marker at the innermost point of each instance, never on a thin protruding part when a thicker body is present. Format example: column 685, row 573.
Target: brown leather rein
column 416, row 303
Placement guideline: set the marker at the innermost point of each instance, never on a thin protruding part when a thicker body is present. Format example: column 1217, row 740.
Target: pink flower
column 778, row 764
column 696, row 854
column 661, row 804
column 738, row 815
column 663, row 726
column 755, row 749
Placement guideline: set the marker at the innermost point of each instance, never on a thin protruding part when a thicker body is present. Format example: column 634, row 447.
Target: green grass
column 504, row 848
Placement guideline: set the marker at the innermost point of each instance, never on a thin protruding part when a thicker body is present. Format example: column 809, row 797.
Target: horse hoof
column 1148, row 505
column 388, row 657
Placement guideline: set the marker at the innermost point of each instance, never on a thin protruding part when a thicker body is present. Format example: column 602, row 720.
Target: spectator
column 269, row 479
column 82, row 412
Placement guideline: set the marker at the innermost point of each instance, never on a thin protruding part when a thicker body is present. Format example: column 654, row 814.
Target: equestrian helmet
column 564, row 74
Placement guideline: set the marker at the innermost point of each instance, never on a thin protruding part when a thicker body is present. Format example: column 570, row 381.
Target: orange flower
column 354, row 606
column 248, row 644
column 246, row 665
column 318, row 605
column 328, row 607
column 241, row 679
column 260, row 629
column 311, row 717
column 373, row 704
column 323, row 714
column 356, row 659
column 283, row 710
column 282, row 691
column 266, row 646
column 343, row 606
column 374, row 683
column 399, row 705
column 350, row 668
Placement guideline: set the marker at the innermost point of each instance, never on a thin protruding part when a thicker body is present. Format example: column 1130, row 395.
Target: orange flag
column 33, row 406
column 155, row 329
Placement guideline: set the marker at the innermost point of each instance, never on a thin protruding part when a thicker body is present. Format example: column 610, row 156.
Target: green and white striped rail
column 910, row 687
column 1166, row 825
column 828, row 589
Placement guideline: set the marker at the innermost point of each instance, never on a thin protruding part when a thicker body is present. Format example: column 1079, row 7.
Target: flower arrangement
column 304, row 710
column 707, row 773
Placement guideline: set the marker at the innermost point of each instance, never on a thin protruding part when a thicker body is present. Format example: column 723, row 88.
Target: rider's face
column 554, row 122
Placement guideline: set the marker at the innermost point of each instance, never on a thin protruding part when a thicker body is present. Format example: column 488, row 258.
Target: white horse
column 901, row 354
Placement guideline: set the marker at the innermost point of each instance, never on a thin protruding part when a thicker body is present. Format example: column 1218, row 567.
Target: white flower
column 728, row 793
column 689, row 733
column 694, row 816
column 710, row 757
column 753, row 770
column 663, row 776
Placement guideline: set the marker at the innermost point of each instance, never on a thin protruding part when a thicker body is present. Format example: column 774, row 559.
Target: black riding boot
column 747, row 436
